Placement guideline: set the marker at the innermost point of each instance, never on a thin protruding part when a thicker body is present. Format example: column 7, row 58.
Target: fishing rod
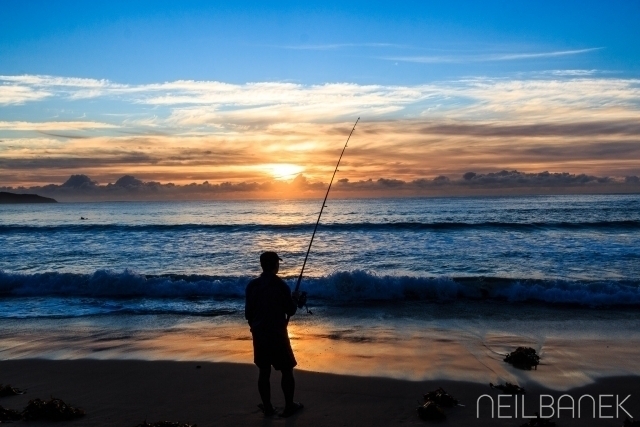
column 322, row 209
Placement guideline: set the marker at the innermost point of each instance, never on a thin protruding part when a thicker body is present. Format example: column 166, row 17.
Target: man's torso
column 268, row 301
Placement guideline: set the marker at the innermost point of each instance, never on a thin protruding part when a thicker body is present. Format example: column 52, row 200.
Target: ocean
column 551, row 249
column 135, row 276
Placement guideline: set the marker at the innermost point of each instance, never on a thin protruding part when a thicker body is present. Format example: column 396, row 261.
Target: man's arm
column 248, row 304
column 290, row 306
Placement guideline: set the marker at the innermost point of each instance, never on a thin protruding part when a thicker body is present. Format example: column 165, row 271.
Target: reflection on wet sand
column 461, row 350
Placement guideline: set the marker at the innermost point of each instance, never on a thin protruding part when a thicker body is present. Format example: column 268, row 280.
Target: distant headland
column 6, row 198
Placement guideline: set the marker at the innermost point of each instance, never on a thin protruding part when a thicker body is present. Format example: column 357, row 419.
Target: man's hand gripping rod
column 302, row 295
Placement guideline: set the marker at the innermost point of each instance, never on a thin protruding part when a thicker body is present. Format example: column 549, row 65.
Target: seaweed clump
column 51, row 410
column 441, row 398
column 508, row 388
column 7, row 390
column 165, row 424
column 9, row 415
column 523, row 358
column 434, row 401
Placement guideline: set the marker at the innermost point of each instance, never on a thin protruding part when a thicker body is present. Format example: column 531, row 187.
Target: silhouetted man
column 269, row 304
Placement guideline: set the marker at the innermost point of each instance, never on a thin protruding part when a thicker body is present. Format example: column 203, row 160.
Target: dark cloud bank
column 83, row 188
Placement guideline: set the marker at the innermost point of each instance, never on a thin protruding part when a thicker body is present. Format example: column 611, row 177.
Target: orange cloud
column 190, row 131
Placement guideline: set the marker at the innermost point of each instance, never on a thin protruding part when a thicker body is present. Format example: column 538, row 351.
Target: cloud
column 212, row 103
column 54, row 126
column 573, row 129
column 184, row 131
column 51, row 81
column 489, row 57
column 79, row 182
column 17, row 94
column 514, row 56
column 82, row 187
column 395, row 149
column 571, row 73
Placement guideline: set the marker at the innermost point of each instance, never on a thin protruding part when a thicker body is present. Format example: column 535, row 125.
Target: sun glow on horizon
column 284, row 171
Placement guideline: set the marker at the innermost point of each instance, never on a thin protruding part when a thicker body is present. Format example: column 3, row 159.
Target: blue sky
column 252, row 91
column 307, row 42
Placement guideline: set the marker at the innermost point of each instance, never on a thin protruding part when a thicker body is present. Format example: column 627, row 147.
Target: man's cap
column 269, row 257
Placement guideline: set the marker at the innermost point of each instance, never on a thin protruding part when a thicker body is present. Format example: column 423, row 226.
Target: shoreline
column 126, row 392
column 373, row 342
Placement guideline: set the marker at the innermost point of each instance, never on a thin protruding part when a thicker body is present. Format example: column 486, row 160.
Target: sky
column 255, row 95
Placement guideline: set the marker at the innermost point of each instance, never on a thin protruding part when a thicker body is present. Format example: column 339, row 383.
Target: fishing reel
column 300, row 298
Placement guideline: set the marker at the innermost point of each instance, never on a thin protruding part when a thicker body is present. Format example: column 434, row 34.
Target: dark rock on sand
column 441, row 398
column 434, row 401
column 7, row 390
column 50, row 410
column 523, row 358
column 8, row 415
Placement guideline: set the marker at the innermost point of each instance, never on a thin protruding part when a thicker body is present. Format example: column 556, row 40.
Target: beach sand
column 126, row 392
column 367, row 369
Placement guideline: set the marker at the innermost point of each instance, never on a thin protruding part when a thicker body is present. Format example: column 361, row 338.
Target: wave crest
column 337, row 287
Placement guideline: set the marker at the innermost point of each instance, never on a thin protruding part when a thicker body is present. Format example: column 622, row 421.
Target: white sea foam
column 336, row 287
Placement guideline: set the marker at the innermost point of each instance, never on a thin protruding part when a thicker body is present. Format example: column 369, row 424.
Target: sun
column 283, row 170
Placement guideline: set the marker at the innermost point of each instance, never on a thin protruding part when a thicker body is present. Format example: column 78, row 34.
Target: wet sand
column 126, row 392
column 574, row 351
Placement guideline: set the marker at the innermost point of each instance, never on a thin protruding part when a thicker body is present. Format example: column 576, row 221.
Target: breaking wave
column 334, row 288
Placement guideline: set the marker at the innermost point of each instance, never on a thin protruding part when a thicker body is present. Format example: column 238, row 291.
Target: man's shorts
column 273, row 348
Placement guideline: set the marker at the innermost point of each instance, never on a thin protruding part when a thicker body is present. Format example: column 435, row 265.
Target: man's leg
column 264, row 386
column 288, row 385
